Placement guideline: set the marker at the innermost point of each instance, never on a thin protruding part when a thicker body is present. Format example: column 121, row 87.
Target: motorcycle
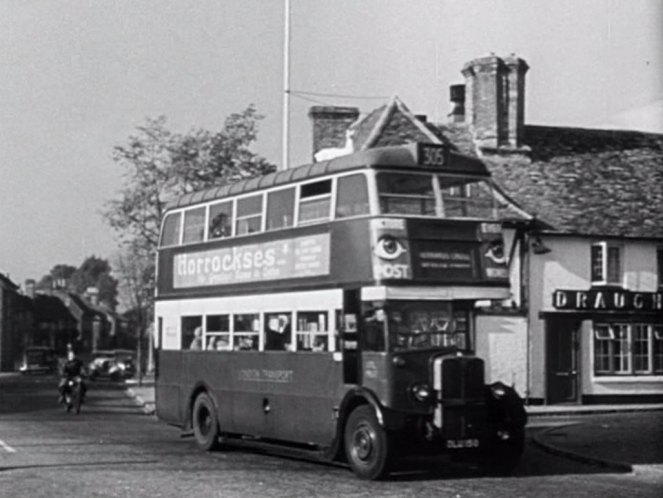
column 73, row 394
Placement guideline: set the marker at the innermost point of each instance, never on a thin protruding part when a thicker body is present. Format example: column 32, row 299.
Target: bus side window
column 170, row 236
column 220, row 220
column 194, row 225
column 314, row 202
column 217, row 333
column 312, row 333
column 192, row 328
column 280, row 208
column 352, row 196
column 246, row 335
column 249, row 215
column 278, row 331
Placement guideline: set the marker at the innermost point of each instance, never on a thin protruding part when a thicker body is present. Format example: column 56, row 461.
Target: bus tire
column 366, row 444
column 205, row 423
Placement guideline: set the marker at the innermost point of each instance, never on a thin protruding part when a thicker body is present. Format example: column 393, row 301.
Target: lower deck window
column 628, row 349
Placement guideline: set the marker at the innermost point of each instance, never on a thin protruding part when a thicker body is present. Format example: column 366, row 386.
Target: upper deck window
column 280, row 208
column 314, row 202
column 220, row 220
column 249, row 215
column 170, row 235
column 406, row 193
column 444, row 196
column 464, row 197
column 194, row 225
column 351, row 196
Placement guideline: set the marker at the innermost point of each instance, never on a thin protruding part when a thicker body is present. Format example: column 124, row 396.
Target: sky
column 78, row 76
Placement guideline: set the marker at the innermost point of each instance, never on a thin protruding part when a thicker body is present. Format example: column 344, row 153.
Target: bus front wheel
column 205, row 423
column 366, row 444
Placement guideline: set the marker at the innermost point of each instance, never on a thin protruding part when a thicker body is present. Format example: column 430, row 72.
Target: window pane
column 220, row 216
column 602, row 349
column 217, row 334
column 658, row 348
column 280, row 208
column 192, row 332
column 314, row 210
column 312, row 331
column 641, row 348
column 621, row 357
column 614, row 265
column 194, row 225
column 406, row 194
column 352, row 196
column 249, row 206
column 314, row 189
column 278, row 331
column 171, row 230
column 246, row 331
column 464, row 197
column 597, row 263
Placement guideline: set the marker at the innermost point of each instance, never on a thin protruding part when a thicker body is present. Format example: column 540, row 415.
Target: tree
column 93, row 272
column 159, row 166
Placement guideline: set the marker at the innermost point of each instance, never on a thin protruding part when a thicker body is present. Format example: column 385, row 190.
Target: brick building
column 582, row 212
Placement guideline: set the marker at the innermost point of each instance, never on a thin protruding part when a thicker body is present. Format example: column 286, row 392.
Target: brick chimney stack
column 330, row 124
column 495, row 103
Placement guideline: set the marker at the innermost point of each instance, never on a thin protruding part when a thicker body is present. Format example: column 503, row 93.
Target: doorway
column 562, row 345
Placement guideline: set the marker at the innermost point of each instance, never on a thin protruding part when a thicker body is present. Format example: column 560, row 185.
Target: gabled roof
column 590, row 182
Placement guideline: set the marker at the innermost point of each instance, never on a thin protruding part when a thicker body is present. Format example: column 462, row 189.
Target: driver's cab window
column 374, row 320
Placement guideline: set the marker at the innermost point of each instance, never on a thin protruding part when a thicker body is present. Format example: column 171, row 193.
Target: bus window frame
column 210, row 205
column 330, row 196
column 191, row 210
column 237, row 219
column 178, row 242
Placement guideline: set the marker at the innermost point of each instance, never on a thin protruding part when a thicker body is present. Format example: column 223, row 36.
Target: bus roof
column 407, row 156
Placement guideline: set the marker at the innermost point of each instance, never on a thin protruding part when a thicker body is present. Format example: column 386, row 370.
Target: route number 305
column 432, row 156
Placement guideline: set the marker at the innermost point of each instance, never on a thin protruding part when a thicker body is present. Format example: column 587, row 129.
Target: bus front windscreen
column 441, row 195
column 413, row 325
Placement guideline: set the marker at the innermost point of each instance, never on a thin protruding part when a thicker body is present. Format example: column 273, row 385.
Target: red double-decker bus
column 330, row 308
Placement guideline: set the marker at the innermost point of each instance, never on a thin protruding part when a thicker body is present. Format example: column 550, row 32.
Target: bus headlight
column 422, row 392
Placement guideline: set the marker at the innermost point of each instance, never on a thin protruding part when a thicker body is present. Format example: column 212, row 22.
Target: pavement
column 592, row 434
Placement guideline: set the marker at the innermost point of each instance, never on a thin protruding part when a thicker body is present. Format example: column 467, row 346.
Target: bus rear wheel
column 205, row 423
column 366, row 444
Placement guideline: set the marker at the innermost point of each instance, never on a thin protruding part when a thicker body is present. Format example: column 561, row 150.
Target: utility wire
column 360, row 97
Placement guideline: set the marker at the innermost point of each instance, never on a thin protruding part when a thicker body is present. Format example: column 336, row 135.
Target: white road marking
column 6, row 447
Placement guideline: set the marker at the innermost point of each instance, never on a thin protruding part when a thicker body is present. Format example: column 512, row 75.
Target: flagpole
column 286, row 85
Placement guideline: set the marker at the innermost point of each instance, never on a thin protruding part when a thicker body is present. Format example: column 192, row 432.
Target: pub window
column 170, row 235
column 249, row 215
column 217, row 332
column 628, row 349
column 312, row 332
column 194, row 225
column 280, row 208
column 351, row 196
column 657, row 333
column 606, row 264
column 220, row 220
column 314, row 202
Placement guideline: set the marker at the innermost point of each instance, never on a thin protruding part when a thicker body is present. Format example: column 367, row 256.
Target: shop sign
column 607, row 300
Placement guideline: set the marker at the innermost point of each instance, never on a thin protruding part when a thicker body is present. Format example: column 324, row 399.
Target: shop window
column 194, row 225
column 170, row 235
column 606, row 264
column 628, row 349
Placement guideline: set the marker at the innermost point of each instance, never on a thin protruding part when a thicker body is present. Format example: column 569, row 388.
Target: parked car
column 116, row 365
column 39, row 359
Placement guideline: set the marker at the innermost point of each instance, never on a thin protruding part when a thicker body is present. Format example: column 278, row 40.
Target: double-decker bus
column 330, row 308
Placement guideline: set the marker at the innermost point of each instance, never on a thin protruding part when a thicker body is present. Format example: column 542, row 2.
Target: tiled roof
column 591, row 182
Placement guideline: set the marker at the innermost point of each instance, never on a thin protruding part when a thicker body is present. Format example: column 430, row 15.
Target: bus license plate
column 456, row 444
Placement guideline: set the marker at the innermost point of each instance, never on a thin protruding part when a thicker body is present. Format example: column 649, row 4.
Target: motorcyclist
column 72, row 368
